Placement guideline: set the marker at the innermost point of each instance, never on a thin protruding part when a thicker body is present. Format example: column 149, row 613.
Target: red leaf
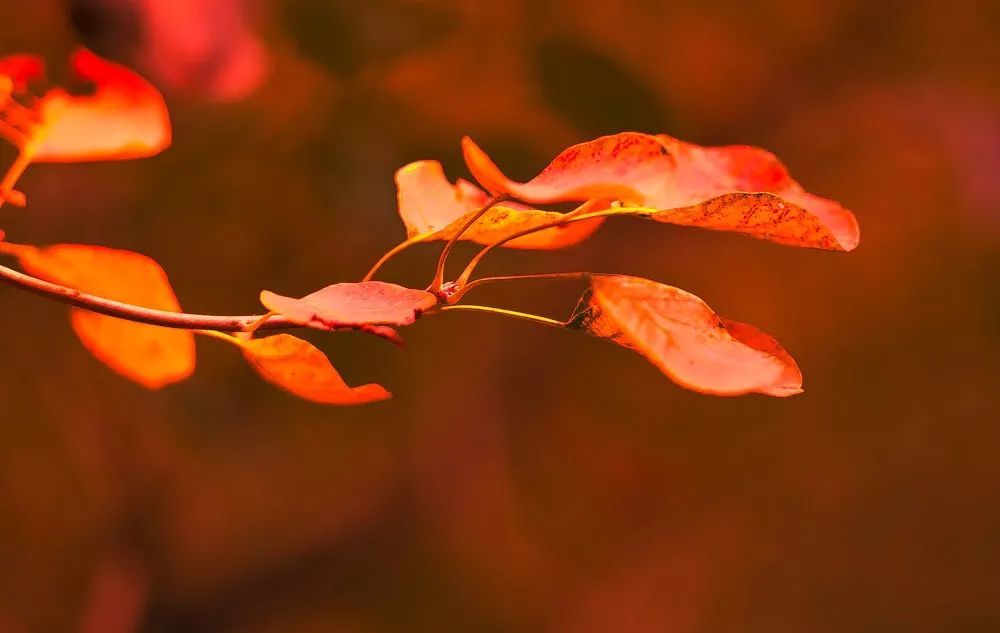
column 686, row 340
column 688, row 181
column 352, row 305
column 619, row 167
column 203, row 47
column 124, row 118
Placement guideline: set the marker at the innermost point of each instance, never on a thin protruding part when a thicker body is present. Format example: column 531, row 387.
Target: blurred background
column 522, row 479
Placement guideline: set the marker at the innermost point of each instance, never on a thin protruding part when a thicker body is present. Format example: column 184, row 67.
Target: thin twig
column 395, row 250
column 439, row 273
column 524, row 316
column 569, row 219
column 492, row 280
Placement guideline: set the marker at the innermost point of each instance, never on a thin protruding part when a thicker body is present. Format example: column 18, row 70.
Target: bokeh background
column 522, row 479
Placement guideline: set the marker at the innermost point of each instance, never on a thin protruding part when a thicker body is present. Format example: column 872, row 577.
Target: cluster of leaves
column 127, row 314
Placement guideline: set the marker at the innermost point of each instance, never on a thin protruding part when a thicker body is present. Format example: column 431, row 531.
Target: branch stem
column 130, row 312
column 523, row 316
column 27, row 152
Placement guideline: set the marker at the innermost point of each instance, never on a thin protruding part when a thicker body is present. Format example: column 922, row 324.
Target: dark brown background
column 525, row 479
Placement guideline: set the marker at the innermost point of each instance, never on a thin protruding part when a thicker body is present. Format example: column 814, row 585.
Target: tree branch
column 129, row 312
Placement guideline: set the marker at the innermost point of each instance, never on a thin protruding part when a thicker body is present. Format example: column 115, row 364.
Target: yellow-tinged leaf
column 428, row 203
column 150, row 355
column 300, row 368
column 686, row 340
column 502, row 221
column 434, row 209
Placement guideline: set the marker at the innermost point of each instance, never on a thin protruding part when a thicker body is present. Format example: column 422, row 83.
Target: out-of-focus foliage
column 611, row 502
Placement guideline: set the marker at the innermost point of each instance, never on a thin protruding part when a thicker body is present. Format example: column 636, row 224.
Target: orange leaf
column 428, row 203
column 124, row 118
column 302, row 369
column 150, row 355
column 434, row 209
column 686, row 340
column 352, row 305
column 690, row 181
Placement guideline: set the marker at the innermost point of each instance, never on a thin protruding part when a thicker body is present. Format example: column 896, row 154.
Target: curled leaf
column 150, row 355
column 352, row 305
column 706, row 172
column 687, row 184
column 299, row 367
column 434, row 209
column 761, row 215
column 428, row 203
column 125, row 117
column 685, row 339
column 620, row 167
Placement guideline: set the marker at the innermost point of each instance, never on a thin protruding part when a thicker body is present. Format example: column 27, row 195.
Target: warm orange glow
column 21, row 70
column 124, row 118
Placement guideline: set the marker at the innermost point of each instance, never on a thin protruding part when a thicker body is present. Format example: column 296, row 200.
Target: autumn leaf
column 681, row 183
column 21, row 70
column 150, row 355
column 428, row 203
column 300, row 368
column 505, row 220
column 352, row 305
column 434, row 209
column 124, row 118
column 685, row 339
column 761, row 215
column 621, row 167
